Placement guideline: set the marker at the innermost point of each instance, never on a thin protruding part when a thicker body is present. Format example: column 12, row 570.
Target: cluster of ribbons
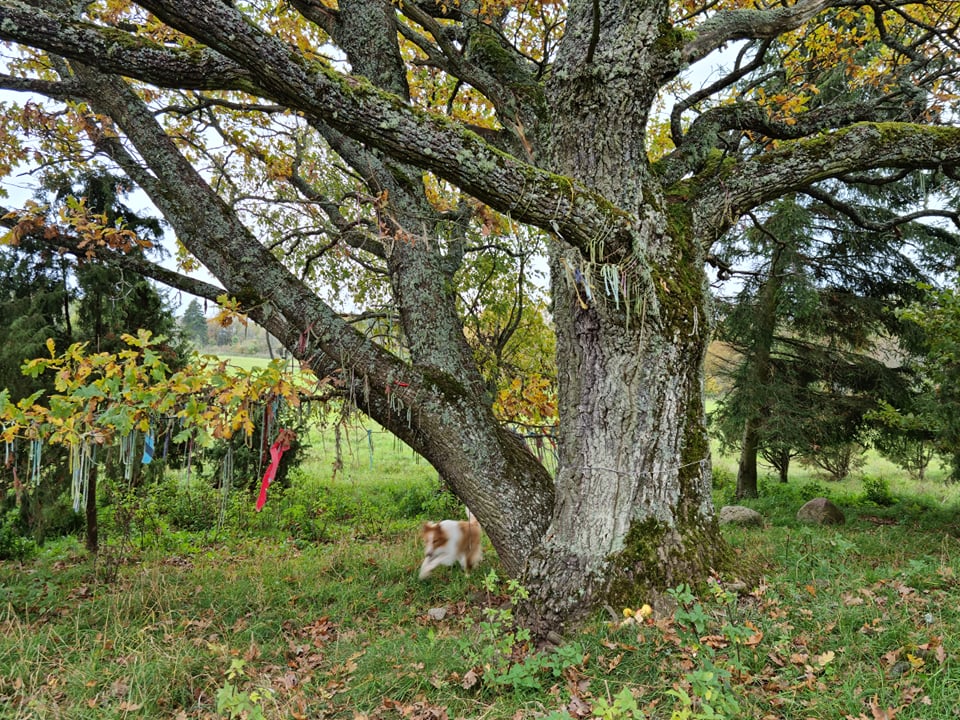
column 82, row 458
column 284, row 439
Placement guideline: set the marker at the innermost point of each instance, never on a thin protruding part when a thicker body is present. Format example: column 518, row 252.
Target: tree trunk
column 633, row 513
column 92, row 531
column 762, row 373
column 747, row 467
column 784, row 467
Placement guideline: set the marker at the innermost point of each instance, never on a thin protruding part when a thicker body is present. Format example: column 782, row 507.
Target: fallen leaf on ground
column 470, row 678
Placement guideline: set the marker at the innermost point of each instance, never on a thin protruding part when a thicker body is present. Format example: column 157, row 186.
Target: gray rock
column 739, row 515
column 821, row 512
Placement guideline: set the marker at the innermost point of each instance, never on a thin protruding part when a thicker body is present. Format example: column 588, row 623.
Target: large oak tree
column 548, row 114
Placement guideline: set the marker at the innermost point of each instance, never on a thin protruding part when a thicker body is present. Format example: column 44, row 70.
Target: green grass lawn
column 246, row 362
column 312, row 609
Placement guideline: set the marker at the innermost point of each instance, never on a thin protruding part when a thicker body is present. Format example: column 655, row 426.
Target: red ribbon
column 284, row 438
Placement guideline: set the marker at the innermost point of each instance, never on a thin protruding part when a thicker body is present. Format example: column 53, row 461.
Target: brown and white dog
column 451, row 541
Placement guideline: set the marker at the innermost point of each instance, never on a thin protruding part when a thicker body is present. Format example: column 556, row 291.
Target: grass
column 312, row 609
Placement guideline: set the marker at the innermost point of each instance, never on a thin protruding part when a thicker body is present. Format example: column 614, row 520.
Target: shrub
column 724, row 486
column 57, row 519
column 419, row 501
column 812, row 490
column 13, row 545
column 877, row 491
column 192, row 505
column 838, row 461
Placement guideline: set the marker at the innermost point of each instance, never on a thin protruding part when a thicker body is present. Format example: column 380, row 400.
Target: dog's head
column 433, row 537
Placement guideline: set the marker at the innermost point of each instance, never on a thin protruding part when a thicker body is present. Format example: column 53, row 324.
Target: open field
column 312, row 609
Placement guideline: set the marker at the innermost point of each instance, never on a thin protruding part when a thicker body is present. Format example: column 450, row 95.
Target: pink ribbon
column 276, row 452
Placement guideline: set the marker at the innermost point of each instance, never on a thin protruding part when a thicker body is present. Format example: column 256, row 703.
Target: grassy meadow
column 312, row 609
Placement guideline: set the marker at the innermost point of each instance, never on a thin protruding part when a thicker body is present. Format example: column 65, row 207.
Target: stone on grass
column 821, row 512
column 739, row 515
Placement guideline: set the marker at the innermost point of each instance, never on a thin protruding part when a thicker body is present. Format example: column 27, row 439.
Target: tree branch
column 731, row 25
column 738, row 186
column 317, row 13
column 867, row 224
column 211, row 230
column 739, row 72
column 56, row 89
column 59, row 241
column 351, row 105
column 702, row 136
column 117, row 51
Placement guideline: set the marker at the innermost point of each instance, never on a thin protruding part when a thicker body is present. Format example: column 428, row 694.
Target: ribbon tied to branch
column 284, row 438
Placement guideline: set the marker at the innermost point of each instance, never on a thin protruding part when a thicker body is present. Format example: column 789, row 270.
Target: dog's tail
column 473, row 548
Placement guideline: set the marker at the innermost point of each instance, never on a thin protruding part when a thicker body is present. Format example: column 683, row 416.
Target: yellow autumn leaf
column 824, row 659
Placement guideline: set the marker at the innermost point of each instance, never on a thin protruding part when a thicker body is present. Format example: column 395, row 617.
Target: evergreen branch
column 867, row 224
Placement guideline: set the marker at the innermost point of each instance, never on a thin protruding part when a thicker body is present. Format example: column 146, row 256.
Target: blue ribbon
column 147, row 449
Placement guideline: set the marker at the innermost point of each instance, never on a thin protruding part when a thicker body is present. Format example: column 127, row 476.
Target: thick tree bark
column 633, row 512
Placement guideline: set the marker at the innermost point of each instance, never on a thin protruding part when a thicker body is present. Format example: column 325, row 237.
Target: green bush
column 195, row 507
column 52, row 516
column 724, row 486
column 418, row 502
column 13, row 545
column 723, row 478
column 812, row 490
column 877, row 491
